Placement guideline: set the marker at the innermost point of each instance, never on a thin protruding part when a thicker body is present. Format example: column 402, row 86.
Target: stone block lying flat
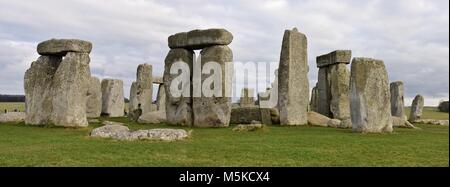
column 199, row 39
column 60, row 47
column 335, row 57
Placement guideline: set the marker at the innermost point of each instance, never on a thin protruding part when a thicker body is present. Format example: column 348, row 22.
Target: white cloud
column 411, row 36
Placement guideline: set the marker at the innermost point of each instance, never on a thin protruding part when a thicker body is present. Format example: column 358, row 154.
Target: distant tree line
column 12, row 98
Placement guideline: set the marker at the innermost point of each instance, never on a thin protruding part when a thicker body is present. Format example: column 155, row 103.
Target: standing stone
column 113, row 103
column 370, row 96
column 141, row 92
column 94, row 98
column 339, row 84
column 266, row 118
column 397, row 100
column 56, row 85
column 314, row 99
column 324, row 92
column 416, row 108
column 178, row 109
column 247, row 99
column 161, row 98
column 214, row 111
column 293, row 86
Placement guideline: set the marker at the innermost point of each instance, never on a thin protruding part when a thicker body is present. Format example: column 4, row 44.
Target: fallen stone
column 432, row 122
column 120, row 132
column 249, row 127
column 60, row 47
column 401, row 122
column 199, row 39
column 12, row 117
column 293, row 85
column 334, row 123
column 155, row 117
column 370, row 96
column 110, row 130
column 316, row 119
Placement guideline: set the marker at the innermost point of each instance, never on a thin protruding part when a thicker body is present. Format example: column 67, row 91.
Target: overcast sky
column 411, row 36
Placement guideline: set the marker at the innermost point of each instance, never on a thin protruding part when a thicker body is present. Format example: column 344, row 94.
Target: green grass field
column 11, row 107
column 23, row 145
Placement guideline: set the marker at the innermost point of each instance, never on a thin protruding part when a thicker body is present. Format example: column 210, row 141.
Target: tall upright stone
column 94, row 98
column 113, row 104
column 313, row 104
column 178, row 107
column 161, row 98
column 370, row 96
column 293, row 86
column 57, row 83
column 141, row 92
column 416, row 108
column 333, row 84
column 397, row 100
column 215, row 110
column 247, row 99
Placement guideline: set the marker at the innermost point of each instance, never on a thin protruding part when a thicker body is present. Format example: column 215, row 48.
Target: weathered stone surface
column 110, row 130
column 56, row 90
column 158, row 80
column 401, row 122
column 141, row 92
column 335, row 57
column 416, row 108
column 178, row 109
column 324, row 92
column 334, row 123
column 113, row 103
column 214, row 111
column 12, row 117
column 248, row 127
column 199, row 39
column 397, row 100
column 370, row 96
column 339, row 88
column 443, row 106
column 316, row 119
column 38, row 84
column 94, row 98
column 120, row 132
column 275, row 115
column 293, row 85
column 432, row 122
column 60, row 47
column 313, row 104
column 153, row 117
column 245, row 115
column 346, row 123
column 247, row 99
column 161, row 98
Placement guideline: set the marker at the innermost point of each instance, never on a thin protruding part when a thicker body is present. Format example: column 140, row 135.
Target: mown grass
column 11, row 106
column 23, row 145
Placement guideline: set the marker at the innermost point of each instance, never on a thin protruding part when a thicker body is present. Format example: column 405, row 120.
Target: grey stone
column 370, row 96
column 416, row 108
column 401, row 122
column 245, row 115
column 214, row 111
column 153, row 117
column 161, row 98
column 313, row 104
column 247, row 99
column 178, row 109
column 397, row 100
column 335, row 57
column 316, row 119
column 56, row 90
column 110, row 130
column 339, row 89
column 94, row 98
column 334, row 123
column 167, row 135
column 432, row 122
column 158, row 80
column 293, row 85
column 141, row 92
column 199, row 39
column 60, row 47
column 113, row 103
column 249, row 127
column 12, row 117
column 324, row 92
